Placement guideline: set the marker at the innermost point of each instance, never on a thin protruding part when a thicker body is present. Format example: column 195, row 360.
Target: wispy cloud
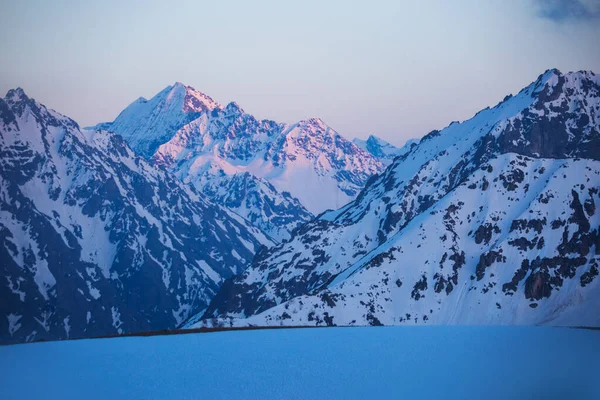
column 568, row 10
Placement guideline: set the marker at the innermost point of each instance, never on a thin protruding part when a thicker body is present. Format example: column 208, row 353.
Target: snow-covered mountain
column 146, row 124
column 290, row 172
column 95, row 240
column 488, row 221
column 210, row 153
column 382, row 150
column 309, row 160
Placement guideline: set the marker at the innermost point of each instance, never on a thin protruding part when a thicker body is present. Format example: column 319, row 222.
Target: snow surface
column 329, row 363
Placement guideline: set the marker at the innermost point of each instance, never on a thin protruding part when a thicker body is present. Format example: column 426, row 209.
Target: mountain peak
column 585, row 74
column 377, row 147
column 196, row 101
column 316, row 121
column 313, row 125
column 146, row 124
column 554, row 71
column 17, row 94
column 549, row 76
column 384, row 151
column 185, row 97
column 376, row 140
column 234, row 108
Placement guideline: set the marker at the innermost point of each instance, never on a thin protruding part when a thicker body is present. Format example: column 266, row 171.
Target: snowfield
column 326, row 363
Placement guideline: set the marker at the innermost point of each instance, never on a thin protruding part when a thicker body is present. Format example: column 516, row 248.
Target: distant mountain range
column 185, row 211
column 283, row 174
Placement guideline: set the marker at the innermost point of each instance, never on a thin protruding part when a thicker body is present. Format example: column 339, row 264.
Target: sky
column 396, row 69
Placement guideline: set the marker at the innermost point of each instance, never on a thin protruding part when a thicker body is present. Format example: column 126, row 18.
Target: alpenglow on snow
column 278, row 176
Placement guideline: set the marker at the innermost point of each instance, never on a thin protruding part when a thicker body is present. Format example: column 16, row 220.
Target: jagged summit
column 234, row 108
column 186, row 97
column 382, row 150
column 315, row 121
column 16, row 94
column 146, row 124
column 312, row 127
column 16, row 103
column 196, row 101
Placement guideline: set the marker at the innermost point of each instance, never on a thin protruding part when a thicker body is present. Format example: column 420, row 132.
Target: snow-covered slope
column 96, row 240
column 273, row 212
column 382, row 150
column 425, row 362
column 492, row 220
column 146, row 124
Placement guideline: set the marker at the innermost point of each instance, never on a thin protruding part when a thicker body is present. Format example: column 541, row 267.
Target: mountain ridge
column 365, row 244
column 212, row 147
column 95, row 240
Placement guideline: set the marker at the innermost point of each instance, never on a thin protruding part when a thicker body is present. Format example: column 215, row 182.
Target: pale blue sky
column 397, row 69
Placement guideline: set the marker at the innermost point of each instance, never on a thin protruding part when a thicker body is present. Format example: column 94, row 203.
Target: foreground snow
column 389, row 362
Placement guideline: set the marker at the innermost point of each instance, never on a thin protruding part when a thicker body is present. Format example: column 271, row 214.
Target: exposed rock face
column 94, row 240
column 491, row 220
column 561, row 122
